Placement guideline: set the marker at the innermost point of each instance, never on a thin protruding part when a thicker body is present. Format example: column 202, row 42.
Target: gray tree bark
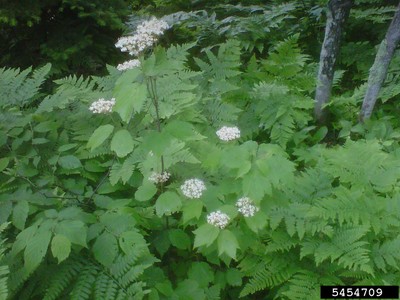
column 378, row 71
column 337, row 15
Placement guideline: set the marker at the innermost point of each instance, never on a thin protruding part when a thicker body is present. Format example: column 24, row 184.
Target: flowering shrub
column 137, row 197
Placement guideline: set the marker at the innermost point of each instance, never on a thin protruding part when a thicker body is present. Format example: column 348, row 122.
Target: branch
column 378, row 71
column 337, row 15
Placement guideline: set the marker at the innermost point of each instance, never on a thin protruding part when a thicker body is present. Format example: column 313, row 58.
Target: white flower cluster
column 193, row 188
column 228, row 133
column 246, row 207
column 145, row 36
column 130, row 64
column 102, row 106
column 159, row 177
column 218, row 219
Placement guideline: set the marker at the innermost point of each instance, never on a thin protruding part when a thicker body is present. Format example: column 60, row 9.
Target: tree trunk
column 378, row 71
column 338, row 12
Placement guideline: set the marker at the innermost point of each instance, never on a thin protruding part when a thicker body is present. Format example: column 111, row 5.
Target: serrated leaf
column 192, row 210
column 227, row 243
column 233, row 277
column 75, row 231
column 179, row 238
column 257, row 222
column 4, row 163
column 202, row 273
column 69, row 162
column 168, row 203
column 60, row 247
column 36, row 249
column 66, row 147
column 99, row 136
column 131, row 241
column 130, row 98
column 205, row 235
column 20, row 213
column 146, row 191
column 105, row 249
column 122, row 143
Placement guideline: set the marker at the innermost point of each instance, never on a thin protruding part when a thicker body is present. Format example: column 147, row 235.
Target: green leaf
column 20, row 213
column 202, row 273
column 227, row 243
column 168, row 203
column 40, row 141
column 255, row 185
column 60, row 247
column 4, row 163
column 205, row 235
column 192, row 210
column 36, row 249
column 99, row 136
column 257, row 222
column 233, row 277
column 66, row 147
column 122, row 143
column 75, row 231
column 130, row 241
column 69, row 162
column 130, row 98
column 179, row 238
column 105, row 249
column 146, row 191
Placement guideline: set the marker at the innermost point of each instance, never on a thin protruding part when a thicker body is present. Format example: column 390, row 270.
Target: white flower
column 193, row 188
column 228, row 133
column 159, row 177
column 145, row 36
column 218, row 219
column 130, row 64
column 152, row 27
column 102, row 106
column 246, row 207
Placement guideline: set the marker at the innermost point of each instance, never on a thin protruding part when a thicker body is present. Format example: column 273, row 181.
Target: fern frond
column 19, row 87
column 70, row 89
column 272, row 274
column 65, row 275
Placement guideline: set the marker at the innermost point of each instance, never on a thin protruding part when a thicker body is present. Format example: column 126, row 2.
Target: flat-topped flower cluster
column 246, row 207
column 129, row 64
column 159, row 177
column 228, row 133
column 218, row 219
column 193, row 188
column 102, row 106
column 146, row 35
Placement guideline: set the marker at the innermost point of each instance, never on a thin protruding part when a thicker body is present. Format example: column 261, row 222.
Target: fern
column 375, row 15
column 271, row 273
column 280, row 112
column 21, row 87
column 220, row 67
column 63, row 277
column 303, row 285
column 70, row 89
column 385, row 255
column 4, row 269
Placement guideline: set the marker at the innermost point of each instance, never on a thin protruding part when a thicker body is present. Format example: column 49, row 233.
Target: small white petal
column 228, row 133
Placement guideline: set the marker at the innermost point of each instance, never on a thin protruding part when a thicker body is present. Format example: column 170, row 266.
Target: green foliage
column 75, row 36
column 96, row 204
